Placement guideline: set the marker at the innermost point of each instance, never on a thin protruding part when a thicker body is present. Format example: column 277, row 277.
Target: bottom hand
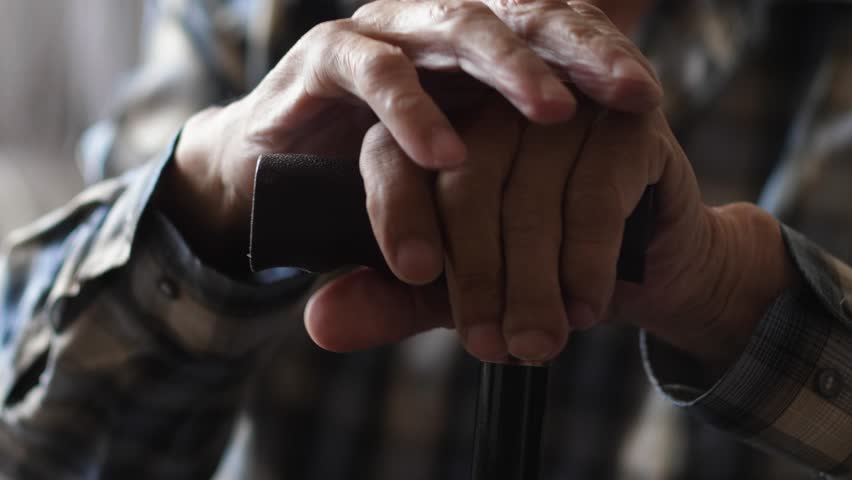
column 531, row 228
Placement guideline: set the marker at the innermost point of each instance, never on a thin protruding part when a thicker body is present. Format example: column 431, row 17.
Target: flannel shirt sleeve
column 790, row 392
column 123, row 356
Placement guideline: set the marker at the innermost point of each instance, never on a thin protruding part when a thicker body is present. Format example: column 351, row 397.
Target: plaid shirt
column 123, row 356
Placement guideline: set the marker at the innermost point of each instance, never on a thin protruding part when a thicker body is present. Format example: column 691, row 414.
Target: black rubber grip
column 309, row 212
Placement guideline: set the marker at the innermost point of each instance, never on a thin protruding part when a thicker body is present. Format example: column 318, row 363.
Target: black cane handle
column 310, row 212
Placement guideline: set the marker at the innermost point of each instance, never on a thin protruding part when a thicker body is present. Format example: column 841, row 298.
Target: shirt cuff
column 791, row 390
column 189, row 303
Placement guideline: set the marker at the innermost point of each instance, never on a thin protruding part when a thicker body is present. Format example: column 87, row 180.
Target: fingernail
column 581, row 316
column 418, row 260
column 447, row 149
column 485, row 341
column 532, row 345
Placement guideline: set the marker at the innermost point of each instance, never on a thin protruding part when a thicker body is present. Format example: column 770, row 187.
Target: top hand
column 391, row 62
column 559, row 270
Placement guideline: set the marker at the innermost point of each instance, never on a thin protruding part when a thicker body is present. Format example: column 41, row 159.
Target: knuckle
column 464, row 193
column 459, row 9
column 479, row 289
column 375, row 15
column 512, row 51
column 601, row 195
column 530, row 298
column 525, row 227
column 609, row 46
column 403, row 102
column 321, row 43
column 376, row 200
column 512, row 4
column 458, row 17
column 528, row 17
column 443, row 11
column 378, row 142
column 585, row 34
column 324, row 55
column 328, row 29
column 661, row 142
column 587, row 9
column 389, row 206
column 648, row 134
column 380, row 208
column 656, row 125
column 384, row 198
column 509, row 10
column 382, row 64
column 368, row 10
column 587, row 274
column 511, row 7
column 375, row 72
column 379, row 193
column 454, row 189
column 529, row 24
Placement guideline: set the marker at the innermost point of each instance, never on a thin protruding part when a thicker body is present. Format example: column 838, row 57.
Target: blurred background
column 60, row 63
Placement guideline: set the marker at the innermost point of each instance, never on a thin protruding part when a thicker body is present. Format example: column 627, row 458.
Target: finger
column 444, row 35
column 535, row 323
column 469, row 200
column 585, row 48
column 401, row 208
column 365, row 309
column 619, row 159
column 382, row 76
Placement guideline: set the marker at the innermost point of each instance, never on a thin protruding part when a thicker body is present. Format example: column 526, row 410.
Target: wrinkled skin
column 479, row 162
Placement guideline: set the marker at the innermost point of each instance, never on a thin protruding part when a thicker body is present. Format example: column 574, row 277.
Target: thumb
column 365, row 309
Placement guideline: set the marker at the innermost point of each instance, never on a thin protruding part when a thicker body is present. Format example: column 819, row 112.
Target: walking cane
column 309, row 212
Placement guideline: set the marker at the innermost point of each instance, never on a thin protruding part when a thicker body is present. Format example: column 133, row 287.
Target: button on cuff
column 167, row 287
column 829, row 383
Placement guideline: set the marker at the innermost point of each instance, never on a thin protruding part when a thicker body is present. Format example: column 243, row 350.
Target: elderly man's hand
column 405, row 64
column 533, row 224
column 527, row 211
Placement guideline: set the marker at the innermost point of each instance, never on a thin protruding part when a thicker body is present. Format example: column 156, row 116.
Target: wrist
column 195, row 197
column 750, row 267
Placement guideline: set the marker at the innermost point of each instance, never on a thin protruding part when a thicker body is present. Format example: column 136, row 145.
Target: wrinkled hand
column 533, row 224
column 527, row 215
column 405, row 64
